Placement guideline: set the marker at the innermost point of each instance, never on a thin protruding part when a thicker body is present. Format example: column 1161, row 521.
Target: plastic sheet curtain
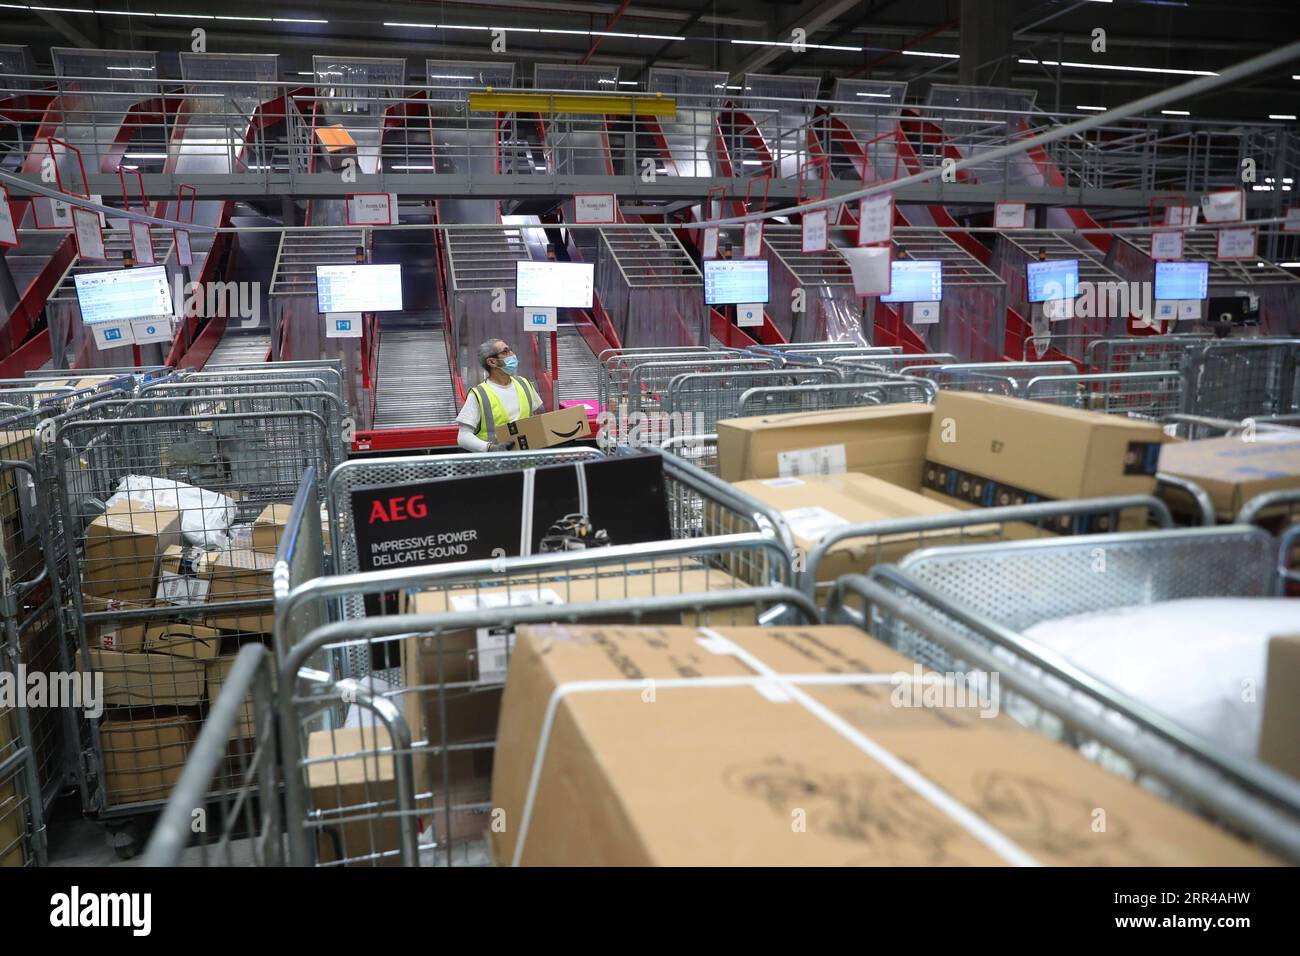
column 782, row 108
column 869, row 109
column 832, row 313
column 215, row 119
column 15, row 61
column 690, row 134
column 977, row 119
column 474, row 322
column 647, row 315
column 1279, row 308
column 1070, row 335
column 972, row 323
column 302, row 331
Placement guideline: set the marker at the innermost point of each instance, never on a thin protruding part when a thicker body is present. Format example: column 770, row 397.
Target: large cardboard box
column 143, row 759
column 886, row 441
column 820, row 504
column 268, row 528
column 784, row 774
column 990, row 450
column 352, row 781
column 1279, row 732
column 123, row 546
column 1232, row 471
column 183, row 640
column 147, row 680
column 548, row 429
column 469, row 665
column 115, row 635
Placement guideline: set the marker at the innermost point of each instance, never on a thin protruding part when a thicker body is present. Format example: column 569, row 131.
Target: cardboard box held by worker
column 781, row 772
column 548, row 429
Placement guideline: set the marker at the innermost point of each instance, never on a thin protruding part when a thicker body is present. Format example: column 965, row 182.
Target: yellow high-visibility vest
column 492, row 412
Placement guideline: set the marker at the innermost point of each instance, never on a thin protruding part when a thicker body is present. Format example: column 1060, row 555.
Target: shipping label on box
column 494, row 643
column 824, row 460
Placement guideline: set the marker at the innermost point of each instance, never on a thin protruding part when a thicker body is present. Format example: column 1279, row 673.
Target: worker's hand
column 501, row 445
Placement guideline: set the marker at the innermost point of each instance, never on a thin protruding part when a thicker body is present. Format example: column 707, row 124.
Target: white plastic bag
column 206, row 516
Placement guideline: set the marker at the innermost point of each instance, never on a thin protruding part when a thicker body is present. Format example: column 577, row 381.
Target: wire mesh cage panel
column 696, row 401
column 1136, row 394
column 616, row 367
column 169, row 524
column 998, row 378
column 874, row 367
column 856, row 548
column 1244, row 379
column 781, row 400
column 293, row 394
column 328, row 374
column 1145, row 353
column 402, row 773
column 698, row 504
column 636, row 390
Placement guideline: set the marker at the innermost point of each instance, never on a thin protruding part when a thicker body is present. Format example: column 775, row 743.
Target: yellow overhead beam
column 596, row 104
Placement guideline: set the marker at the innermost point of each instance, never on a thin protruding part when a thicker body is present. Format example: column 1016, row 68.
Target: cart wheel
column 125, row 840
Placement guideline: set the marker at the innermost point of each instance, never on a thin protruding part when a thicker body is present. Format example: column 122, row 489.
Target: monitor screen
column 359, row 288
column 1182, row 280
column 1050, row 281
column 564, row 285
column 915, row 280
column 735, row 281
column 122, row 294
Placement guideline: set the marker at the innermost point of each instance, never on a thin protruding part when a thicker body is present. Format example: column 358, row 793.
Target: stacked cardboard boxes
column 826, row 470
column 159, row 674
column 784, row 773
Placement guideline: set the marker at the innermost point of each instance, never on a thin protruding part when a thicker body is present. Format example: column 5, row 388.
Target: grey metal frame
column 949, row 609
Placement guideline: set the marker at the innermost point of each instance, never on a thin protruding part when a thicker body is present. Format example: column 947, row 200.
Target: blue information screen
column 359, row 288
column 915, row 280
column 1051, row 281
column 1182, row 280
column 121, row 294
column 735, row 281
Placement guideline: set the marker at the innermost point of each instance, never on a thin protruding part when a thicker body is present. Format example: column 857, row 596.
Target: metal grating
column 300, row 253
column 484, row 259
column 652, row 257
column 1204, row 247
column 1056, row 245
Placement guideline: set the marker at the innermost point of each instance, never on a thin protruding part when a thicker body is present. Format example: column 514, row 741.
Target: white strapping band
column 526, row 516
column 774, row 686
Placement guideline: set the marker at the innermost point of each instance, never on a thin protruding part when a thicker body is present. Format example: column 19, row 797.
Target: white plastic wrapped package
column 1199, row 661
column 206, row 516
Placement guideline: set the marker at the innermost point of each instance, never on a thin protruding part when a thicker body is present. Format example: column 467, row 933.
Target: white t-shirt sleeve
column 470, row 413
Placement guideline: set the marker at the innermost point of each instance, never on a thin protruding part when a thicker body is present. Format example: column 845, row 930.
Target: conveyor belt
column 414, row 383
column 579, row 372
column 238, row 347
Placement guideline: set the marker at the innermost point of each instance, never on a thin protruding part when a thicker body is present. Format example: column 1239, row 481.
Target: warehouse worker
column 495, row 402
